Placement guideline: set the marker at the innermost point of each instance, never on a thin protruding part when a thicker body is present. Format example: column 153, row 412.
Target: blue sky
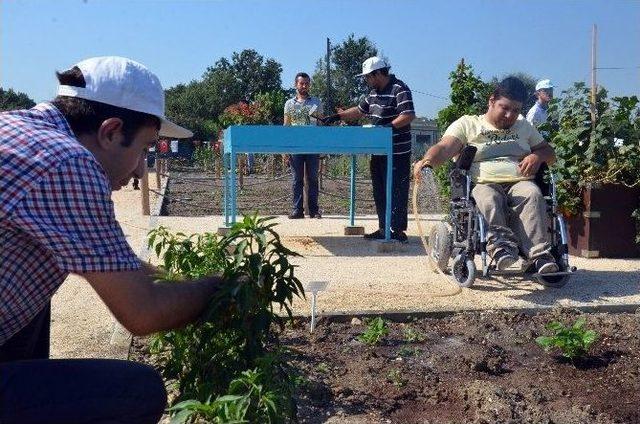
column 422, row 39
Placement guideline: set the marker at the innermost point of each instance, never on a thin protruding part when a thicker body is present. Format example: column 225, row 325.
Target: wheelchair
column 464, row 235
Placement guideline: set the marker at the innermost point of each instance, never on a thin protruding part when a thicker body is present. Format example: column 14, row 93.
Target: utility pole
column 328, row 98
column 594, row 85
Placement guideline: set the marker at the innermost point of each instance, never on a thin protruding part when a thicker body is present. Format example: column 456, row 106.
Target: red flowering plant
column 240, row 113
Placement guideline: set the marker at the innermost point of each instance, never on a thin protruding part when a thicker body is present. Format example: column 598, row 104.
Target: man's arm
column 540, row 153
column 143, row 306
column 403, row 120
column 350, row 114
column 438, row 154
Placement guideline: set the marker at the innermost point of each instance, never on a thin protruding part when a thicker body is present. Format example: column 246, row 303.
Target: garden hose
column 431, row 265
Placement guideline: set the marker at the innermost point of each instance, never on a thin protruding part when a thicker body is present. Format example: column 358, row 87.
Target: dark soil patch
column 466, row 368
column 193, row 192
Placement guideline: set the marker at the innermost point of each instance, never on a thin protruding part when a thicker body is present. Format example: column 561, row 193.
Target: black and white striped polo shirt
column 385, row 105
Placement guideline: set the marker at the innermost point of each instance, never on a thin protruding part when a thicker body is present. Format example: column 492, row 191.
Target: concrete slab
column 363, row 279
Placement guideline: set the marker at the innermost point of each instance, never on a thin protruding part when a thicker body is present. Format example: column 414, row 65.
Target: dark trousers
column 35, row 389
column 297, row 167
column 73, row 391
column 399, row 189
column 32, row 342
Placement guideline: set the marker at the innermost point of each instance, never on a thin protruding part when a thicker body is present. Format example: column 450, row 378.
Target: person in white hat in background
column 60, row 161
column 389, row 103
column 538, row 114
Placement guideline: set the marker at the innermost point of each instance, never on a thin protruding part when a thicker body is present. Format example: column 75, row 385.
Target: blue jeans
column 297, row 167
column 70, row 391
column 250, row 162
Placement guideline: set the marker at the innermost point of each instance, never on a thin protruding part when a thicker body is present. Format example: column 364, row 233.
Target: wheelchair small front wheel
column 464, row 270
column 553, row 281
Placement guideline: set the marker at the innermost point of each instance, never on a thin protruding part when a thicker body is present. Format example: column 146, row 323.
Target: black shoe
column 400, row 236
column 315, row 215
column 296, row 215
column 503, row 259
column 546, row 265
column 376, row 235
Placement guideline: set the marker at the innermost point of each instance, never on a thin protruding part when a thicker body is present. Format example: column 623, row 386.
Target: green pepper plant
column 240, row 325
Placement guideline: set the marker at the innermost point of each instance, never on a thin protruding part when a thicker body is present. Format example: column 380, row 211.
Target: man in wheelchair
column 509, row 153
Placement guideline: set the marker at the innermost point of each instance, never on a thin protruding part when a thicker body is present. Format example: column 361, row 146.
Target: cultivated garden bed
column 483, row 367
column 466, row 368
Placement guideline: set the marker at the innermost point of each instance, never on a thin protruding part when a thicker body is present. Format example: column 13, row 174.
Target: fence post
column 145, row 192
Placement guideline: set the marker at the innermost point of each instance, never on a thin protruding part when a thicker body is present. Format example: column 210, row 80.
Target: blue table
column 304, row 140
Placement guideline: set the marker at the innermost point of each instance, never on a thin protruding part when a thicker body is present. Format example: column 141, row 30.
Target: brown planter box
column 606, row 228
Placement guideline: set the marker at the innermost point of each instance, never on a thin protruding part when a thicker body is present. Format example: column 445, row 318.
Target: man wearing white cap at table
column 60, row 161
column 537, row 115
column 389, row 103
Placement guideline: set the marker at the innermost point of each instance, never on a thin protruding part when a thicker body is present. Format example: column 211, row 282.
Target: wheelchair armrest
column 465, row 158
column 545, row 186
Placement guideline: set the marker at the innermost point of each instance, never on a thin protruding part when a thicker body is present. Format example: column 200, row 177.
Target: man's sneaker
column 503, row 259
column 296, row 215
column 315, row 215
column 546, row 265
column 376, row 235
column 400, row 236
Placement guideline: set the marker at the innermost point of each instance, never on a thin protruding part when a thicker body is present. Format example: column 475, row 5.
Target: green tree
column 346, row 63
column 469, row 96
column 198, row 104
column 11, row 100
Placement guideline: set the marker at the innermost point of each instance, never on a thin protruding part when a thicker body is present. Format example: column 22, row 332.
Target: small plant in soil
column 411, row 335
column 407, row 351
column 227, row 366
column 395, row 376
column 322, row 367
column 573, row 341
column 376, row 329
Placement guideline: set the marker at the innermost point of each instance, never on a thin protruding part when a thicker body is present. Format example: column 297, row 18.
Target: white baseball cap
column 122, row 82
column 372, row 64
column 544, row 84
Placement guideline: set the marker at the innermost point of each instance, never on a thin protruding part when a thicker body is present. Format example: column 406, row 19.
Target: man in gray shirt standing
column 537, row 115
column 298, row 111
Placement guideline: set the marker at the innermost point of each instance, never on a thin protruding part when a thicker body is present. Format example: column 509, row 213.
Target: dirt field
column 469, row 368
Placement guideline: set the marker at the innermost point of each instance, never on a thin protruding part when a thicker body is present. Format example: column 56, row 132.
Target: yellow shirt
column 499, row 151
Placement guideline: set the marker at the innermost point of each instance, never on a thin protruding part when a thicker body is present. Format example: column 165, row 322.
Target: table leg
column 352, row 207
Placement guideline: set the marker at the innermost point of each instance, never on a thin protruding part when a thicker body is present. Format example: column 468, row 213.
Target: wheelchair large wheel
column 464, row 270
column 440, row 244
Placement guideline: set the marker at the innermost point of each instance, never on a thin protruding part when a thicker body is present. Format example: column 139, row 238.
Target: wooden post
column 158, row 179
column 146, row 209
column 594, row 86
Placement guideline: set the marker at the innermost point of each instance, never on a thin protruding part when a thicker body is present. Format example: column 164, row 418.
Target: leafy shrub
column 574, row 341
column 204, row 358
column 376, row 330
column 607, row 152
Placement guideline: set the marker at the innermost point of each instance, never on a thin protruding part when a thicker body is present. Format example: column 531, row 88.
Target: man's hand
column 422, row 167
column 529, row 165
column 327, row 120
